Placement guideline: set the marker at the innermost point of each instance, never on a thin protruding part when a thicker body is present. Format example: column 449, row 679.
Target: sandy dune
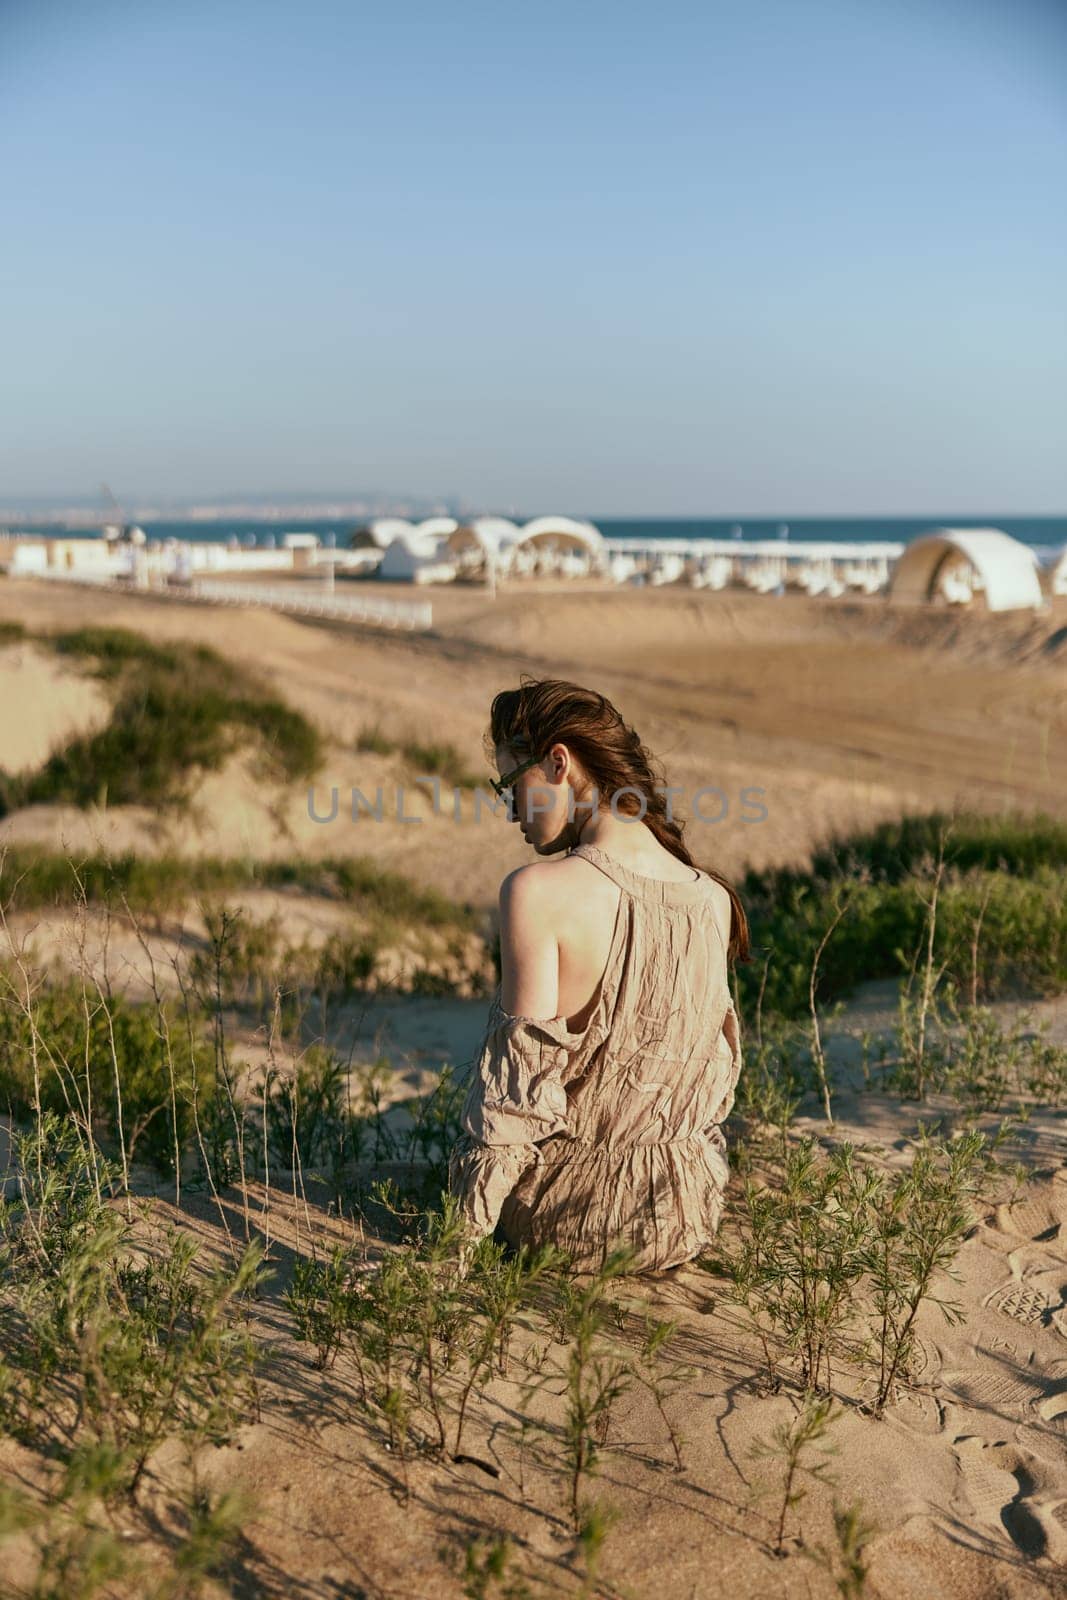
column 840, row 716
column 44, row 702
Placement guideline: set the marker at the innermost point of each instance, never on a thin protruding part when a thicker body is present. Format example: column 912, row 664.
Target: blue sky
column 799, row 256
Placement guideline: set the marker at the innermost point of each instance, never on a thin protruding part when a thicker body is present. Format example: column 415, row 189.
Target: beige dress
column 612, row 1135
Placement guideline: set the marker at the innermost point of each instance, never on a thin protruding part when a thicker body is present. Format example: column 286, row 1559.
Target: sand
column 843, row 715
column 839, row 715
column 44, row 703
column 965, row 1476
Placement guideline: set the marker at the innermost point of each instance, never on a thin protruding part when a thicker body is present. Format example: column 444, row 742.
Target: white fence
column 301, row 599
column 304, row 600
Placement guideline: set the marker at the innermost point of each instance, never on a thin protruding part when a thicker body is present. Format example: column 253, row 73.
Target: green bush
column 240, row 961
column 309, row 1124
column 1014, row 844
column 1008, row 874
column 834, row 1258
column 442, row 760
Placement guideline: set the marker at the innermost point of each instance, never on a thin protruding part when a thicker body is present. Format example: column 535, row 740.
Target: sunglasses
column 501, row 785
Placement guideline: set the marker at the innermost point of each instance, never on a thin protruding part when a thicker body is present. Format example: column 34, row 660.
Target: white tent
column 544, row 542
column 566, row 533
column 473, row 544
column 622, row 567
column 415, row 558
column 548, row 545
column 951, row 565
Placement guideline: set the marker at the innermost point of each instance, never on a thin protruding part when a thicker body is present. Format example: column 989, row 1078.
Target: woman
column 612, row 1050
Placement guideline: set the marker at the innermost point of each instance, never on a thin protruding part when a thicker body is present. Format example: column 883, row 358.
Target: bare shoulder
column 540, row 887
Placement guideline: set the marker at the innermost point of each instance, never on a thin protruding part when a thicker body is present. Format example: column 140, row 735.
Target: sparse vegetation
column 1006, row 875
column 122, row 1346
column 437, row 758
column 845, row 1560
column 35, row 877
column 834, row 1257
column 965, row 1052
column 802, row 1446
column 177, row 711
column 113, row 1342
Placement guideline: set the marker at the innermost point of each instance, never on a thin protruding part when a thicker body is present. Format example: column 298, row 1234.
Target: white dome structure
column 559, row 546
column 547, row 546
column 951, row 566
column 567, row 533
column 473, row 544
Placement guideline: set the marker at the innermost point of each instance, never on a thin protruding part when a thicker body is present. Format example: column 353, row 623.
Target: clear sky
column 804, row 256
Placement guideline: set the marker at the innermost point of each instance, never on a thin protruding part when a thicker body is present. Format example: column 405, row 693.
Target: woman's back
column 610, row 1133
column 587, row 904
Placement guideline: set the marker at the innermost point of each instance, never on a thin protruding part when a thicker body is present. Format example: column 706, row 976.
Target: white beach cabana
column 472, row 545
column 416, row 557
column 547, row 546
column 669, row 568
column 621, row 567
column 560, row 546
column 712, row 572
column 954, row 566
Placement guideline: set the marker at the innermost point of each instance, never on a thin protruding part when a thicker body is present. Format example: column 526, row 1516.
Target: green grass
column 437, row 759
column 178, row 710
column 1008, row 873
column 1017, row 845
column 33, row 878
column 76, row 1054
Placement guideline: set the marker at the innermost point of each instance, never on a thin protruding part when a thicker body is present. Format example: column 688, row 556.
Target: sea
column 1042, row 533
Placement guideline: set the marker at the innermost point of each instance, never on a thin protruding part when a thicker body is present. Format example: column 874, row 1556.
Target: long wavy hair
column 531, row 719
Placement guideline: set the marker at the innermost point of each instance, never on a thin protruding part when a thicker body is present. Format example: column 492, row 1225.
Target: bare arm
column 516, row 1097
column 529, row 949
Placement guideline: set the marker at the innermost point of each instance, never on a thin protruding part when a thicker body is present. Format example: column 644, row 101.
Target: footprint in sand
column 1006, row 1490
column 1054, row 1409
column 920, row 1411
column 1039, row 1217
column 991, row 1389
column 1023, row 1302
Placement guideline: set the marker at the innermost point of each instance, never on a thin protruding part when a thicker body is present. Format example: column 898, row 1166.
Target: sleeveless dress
column 611, row 1135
